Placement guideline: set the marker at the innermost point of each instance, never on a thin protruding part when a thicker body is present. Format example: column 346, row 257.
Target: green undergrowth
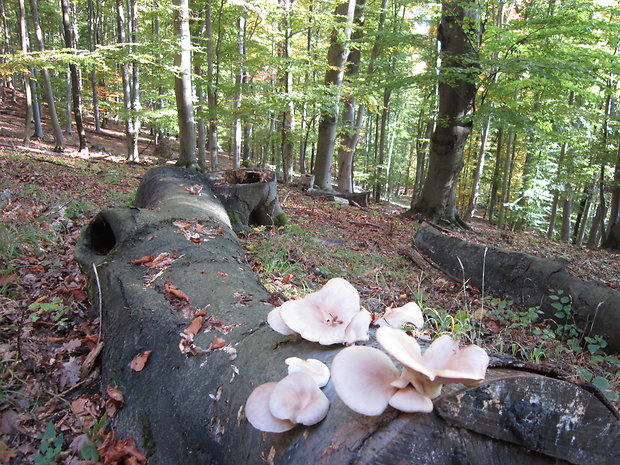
column 294, row 261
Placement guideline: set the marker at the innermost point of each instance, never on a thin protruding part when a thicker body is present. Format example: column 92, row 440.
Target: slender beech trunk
column 36, row 107
column 506, row 179
column 336, row 59
column 76, row 89
column 352, row 115
column 496, row 171
column 23, row 34
column 68, row 118
column 92, row 40
column 611, row 239
column 237, row 126
column 183, row 86
column 5, row 50
column 475, row 187
column 286, row 82
column 385, row 113
column 212, row 143
column 59, row 140
column 201, row 125
column 594, row 236
column 133, row 154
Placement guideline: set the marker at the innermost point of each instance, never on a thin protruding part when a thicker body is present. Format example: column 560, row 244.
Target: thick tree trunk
column 456, row 98
column 184, row 409
column 336, row 59
column 183, row 86
column 76, row 87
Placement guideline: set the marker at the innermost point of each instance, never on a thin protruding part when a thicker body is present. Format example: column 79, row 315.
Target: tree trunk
column 68, row 119
column 183, row 86
column 237, row 126
column 475, row 187
column 352, row 114
column 212, row 143
column 201, row 125
column 36, row 107
column 612, row 236
column 385, row 112
column 336, row 59
column 597, row 229
column 134, row 149
column 567, row 206
column 92, row 40
column 76, row 92
column 496, row 171
column 456, row 99
column 59, row 140
column 23, row 34
column 504, row 198
column 6, row 50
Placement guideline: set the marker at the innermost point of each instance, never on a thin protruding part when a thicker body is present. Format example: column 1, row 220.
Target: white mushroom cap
column 397, row 317
column 442, row 363
column 358, row 328
column 297, row 398
column 410, row 400
column 277, row 323
column 362, row 377
column 323, row 316
column 258, row 414
column 315, row 368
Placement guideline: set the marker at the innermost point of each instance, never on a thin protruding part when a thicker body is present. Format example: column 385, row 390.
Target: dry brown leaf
column 218, row 342
column 115, row 394
column 222, row 273
column 138, row 362
column 143, row 260
column 6, row 454
column 195, row 326
column 9, row 422
column 175, row 292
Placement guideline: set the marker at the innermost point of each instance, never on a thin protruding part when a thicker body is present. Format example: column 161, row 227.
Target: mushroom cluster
column 277, row 407
column 331, row 315
column 367, row 380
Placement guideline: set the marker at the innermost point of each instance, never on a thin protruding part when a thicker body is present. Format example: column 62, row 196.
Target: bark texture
column 189, row 410
column 456, row 97
column 526, row 280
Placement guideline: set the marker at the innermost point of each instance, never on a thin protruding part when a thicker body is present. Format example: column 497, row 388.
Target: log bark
column 189, row 409
column 527, row 280
column 357, row 198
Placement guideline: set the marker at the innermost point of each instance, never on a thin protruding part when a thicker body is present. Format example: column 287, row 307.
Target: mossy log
column 526, row 280
column 189, row 409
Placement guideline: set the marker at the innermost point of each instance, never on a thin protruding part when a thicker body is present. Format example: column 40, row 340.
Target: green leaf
column 89, row 452
column 611, row 395
column 600, row 382
column 585, row 374
column 557, row 305
column 565, row 300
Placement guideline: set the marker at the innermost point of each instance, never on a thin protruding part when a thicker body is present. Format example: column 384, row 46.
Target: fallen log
column 187, row 405
column 359, row 199
column 527, row 280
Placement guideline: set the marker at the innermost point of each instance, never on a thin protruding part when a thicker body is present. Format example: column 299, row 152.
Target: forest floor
column 51, row 403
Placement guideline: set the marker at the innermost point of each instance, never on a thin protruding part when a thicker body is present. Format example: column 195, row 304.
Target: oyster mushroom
column 331, row 315
column 397, row 317
column 442, row 363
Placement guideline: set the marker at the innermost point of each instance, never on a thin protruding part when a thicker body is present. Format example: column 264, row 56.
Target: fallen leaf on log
column 195, row 326
column 174, row 291
column 138, row 362
column 217, row 343
column 143, row 260
column 114, row 402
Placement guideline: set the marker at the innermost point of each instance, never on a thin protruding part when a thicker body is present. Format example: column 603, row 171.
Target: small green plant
column 50, row 448
column 565, row 329
column 55, row 309
column 600, row 382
